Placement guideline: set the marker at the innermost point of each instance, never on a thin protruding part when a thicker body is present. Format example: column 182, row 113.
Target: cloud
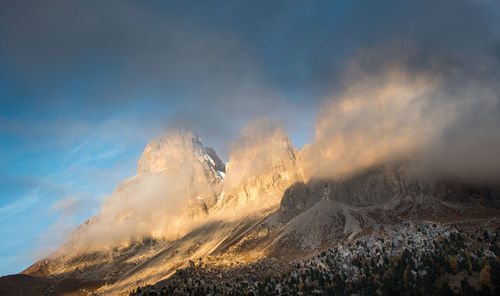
column 261, row 165
column 203, row 64
column 401, row 102
column 17, row 207
column 68, row 205
column 124, row 57
column 170, row 193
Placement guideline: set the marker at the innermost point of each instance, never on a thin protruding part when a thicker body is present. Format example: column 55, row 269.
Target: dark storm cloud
column 286, row 42
column 73, row 58
column 117, row 51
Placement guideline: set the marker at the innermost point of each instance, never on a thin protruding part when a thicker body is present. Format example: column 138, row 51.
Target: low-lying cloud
column 442, row 113
column 173, row 187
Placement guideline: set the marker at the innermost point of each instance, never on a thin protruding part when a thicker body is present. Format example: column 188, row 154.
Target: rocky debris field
column 410, row 258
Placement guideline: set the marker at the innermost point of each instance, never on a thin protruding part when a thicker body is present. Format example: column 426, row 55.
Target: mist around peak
column 405, row 107
column 401, row 103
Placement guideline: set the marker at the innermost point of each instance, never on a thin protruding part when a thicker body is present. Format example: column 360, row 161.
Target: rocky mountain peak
column 167, row 152
column 177, row 182
column 261, row 166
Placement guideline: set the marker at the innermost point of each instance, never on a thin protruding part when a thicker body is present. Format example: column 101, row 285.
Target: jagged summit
column 261, row 166
column 177, row 183
column 175, row 149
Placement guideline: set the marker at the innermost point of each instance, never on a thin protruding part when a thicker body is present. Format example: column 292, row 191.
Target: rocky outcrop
column 177, row 183
column 262, row 165
column 314, row 215
column 384, row 187
column 181, row 151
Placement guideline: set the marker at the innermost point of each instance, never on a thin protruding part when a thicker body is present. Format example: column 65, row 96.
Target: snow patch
column 208, row 159
column 222, row 175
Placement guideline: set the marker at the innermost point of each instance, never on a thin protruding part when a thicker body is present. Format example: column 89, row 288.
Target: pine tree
column 484, row 275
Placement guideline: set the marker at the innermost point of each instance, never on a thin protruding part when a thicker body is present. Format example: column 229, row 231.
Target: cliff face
column 385, row 187
column 262, row 165
column 318, row 213
column 177, row 183
column 181, row 150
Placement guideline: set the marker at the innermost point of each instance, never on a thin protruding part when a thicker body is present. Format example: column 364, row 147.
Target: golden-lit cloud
column 378, row 117
column 262, row 164
column 438, row 114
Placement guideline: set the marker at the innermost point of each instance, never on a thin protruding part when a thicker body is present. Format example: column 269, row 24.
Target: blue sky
column 85, row 85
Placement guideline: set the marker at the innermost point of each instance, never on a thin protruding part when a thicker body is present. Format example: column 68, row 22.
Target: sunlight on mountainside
column 250, row 148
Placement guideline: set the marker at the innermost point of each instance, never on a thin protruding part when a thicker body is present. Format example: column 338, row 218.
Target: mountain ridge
column 258, row 207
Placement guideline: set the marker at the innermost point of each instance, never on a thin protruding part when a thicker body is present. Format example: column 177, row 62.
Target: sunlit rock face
column 181, row 197
column 179, row 155
column 262, row 165
column 177, row 150
column 177, row 183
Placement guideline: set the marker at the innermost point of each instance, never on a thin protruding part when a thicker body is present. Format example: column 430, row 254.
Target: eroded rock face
column 316, row 214
column 262, row 165
column 177, row 183
column 181, row 150
column 385, row 187
column 216, row 162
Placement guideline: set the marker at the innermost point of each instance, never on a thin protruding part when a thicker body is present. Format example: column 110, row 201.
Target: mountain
column 178, row 180
column 262, row 164
column 186, row 208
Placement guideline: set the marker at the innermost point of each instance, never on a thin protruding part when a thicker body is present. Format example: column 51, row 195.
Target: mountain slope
column 183, row 206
